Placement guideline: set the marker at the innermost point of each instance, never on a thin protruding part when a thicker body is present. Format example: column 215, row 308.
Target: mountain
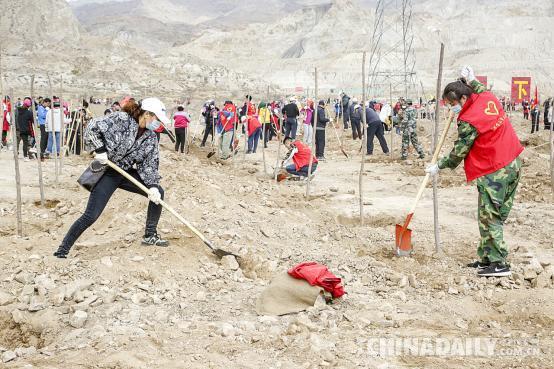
column 50, row 41
column 499, row 38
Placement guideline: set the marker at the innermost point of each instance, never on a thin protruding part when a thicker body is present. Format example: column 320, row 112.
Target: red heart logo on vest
column 491, row 108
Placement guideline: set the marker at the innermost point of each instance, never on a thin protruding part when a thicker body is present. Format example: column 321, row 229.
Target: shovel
column 219, row 252
column 337, row 134
column 403, row 233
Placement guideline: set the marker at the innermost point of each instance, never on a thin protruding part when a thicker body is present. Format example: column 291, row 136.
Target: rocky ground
column 117, row 304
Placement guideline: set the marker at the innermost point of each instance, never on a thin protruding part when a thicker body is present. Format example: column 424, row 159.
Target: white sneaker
column 25, row 159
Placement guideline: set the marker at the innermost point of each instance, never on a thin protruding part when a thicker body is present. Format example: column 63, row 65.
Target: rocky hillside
column 52, row 41
column 498, row 38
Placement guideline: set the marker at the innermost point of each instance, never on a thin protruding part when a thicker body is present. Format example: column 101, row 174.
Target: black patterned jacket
column 117, row 134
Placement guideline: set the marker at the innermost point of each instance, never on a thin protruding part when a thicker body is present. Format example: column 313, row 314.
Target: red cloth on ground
column 318, row 275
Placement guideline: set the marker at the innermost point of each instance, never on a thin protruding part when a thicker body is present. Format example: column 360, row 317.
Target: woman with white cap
column 127, row 139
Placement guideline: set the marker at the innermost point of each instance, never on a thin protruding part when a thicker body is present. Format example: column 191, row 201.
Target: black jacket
column 322, row 120
column 371, row 117
column 291, row 110
column 351, row 114
column 24, row 120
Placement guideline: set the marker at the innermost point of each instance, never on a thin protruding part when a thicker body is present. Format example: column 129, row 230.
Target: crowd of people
column 59, row 127
column 129, row 133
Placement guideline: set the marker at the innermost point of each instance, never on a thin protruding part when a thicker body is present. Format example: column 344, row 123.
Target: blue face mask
column 456, row 108
column 153, row 125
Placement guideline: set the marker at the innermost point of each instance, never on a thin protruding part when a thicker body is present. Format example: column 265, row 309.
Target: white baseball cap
column 154, row 105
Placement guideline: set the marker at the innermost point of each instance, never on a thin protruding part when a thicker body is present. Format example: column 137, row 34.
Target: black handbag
column 92, row 175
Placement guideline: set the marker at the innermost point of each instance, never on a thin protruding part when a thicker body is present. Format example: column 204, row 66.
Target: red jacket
column 228, row 123
column 253, row 125
column 302, row 157
column 497, row 144
column 181, row 119
column 318, row 275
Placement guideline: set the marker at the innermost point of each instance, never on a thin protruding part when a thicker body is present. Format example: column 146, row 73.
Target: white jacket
column 57, row 120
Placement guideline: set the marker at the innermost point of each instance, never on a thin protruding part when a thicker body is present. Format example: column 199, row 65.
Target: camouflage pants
column 409, row 133
column 496, row 197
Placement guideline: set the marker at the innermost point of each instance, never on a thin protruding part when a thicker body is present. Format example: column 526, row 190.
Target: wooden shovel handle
column 433, row 161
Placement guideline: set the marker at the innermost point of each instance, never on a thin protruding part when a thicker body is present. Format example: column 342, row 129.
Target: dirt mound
column 14, row 335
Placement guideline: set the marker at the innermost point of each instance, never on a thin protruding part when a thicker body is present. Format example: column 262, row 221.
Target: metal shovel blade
column 403, row 241
column 221, row 253
column 403, row 236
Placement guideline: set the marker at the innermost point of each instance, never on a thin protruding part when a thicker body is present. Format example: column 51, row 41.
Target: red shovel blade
column 404, row 237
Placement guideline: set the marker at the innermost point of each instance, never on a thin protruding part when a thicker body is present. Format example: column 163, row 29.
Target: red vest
column 497, row 144
column 253, row 124
column 302, row 157
column 228, row 124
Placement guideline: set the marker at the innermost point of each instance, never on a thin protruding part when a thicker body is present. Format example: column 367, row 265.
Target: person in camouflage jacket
column 496, row 182
column 409, row 131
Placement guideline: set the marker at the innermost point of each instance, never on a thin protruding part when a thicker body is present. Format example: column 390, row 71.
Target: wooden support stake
column 52, row 131
column 313, row 140
column 277, row 166
column 364, row 142
column 17, row 174
column 435, row 141
column 392, row 122
column 263, row 131
column 552, row 153
column 62, row 127
column 38, row 137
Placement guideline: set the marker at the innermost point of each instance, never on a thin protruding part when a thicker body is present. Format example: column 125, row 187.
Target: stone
column 107, row 261
column 403, row 282
column 28, row 290
column 412, row 280
column 77, row 286
column 542, row 281
column 8, row 356
column 229, row 262
column 226, row 330
column 25, row 351
column 78, row 319
column 36, row 303
column 24, row 277
column 45, row 282
column 452, row 291
column 334, row 189
column 529, row 273
column 6, row 298
column 137, row 258
column 201, row 296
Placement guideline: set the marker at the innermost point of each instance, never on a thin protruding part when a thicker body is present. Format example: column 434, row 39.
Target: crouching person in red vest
column 297, row 162
column 490, row 149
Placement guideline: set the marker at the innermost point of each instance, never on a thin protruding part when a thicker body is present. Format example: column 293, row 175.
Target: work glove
column 467, row 74
column 432, row 169
column 154, row 195
column 102, row 158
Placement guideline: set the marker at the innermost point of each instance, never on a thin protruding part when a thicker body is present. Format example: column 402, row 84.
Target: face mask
column 153, row 125
column 456, row 108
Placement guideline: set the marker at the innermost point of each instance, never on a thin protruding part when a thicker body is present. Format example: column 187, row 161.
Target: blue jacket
column 41, row 115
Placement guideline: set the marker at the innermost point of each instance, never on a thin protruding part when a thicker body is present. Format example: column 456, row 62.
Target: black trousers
column 356, row 129
column 267, row 133
column 291, row 126
column 23, row 136
column 320, row 142
column 180, row 136
column 534, row 123
column 376, row 129
column 98, row 200
column 43, row 140
column 208, row 131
